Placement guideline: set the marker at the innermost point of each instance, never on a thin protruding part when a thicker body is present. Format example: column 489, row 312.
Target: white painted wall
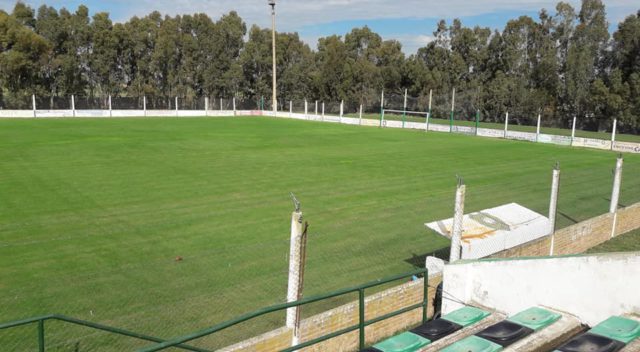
column 592, row 288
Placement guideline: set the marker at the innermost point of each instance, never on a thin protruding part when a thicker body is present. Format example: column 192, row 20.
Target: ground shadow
column 566, row 216
column 418, row 260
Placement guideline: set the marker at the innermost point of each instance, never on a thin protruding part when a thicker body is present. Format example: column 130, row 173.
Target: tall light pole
column 272, row 3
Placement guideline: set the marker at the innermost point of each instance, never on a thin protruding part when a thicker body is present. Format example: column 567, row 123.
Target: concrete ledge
column 552, row 336
column 468, row 331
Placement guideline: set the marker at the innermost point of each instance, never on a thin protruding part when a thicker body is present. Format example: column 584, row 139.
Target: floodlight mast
column 272, row 3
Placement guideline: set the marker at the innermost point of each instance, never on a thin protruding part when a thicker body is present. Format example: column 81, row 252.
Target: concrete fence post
column 553, row 205
column 453, row 107
column 613, row 133
column 322, row 111
column 458, row 218
column 617, row 183
column 293, row 286
column 615, row 193
column 206, row 106
column 176, row 106
column 110, row 110
column 144, row 105
column 220, row 104
column 306, row 109
column 290, row 108
column 404, row 108
column 506, row 124
column 382, row 109
column 233, row 101
column 73, row 105
column 360, row 116
column 33, row 104
column 316, row 109
column 538, row 127
column 429, row 111
column 573, row 129
column 341, row 109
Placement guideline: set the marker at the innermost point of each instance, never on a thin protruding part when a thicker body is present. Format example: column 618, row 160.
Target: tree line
column 561, row 64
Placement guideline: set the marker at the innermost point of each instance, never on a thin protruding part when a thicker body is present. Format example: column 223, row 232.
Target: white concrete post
column 458, row 218
column 429, row 112
column 617, row 183
column 144, row 105
column 613, row 133
column 294, row 266
column 220, row 104
column 573, row 129
column 73, row 105
column 234, row 106
column 453, row 100
column 33, row 104
column 306, row 110
column 360, row 116
column 538, row 127
column 323, row 111
column 341, row 109
column 506, row 124
column 382, row 109
column 176, row 106
column 206, row 106
column 553, row 204
column 316, row 109
column 110, row 111
column 290, row 108
column 453, row 106
column 615, row 194
column 405, row 100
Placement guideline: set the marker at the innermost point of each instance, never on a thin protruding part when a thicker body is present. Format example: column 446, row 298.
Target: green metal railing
column 40, row 321
column 180, row 342
column 362, row 323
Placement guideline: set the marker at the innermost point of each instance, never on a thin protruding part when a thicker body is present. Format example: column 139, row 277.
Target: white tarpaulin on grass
column 493, row 230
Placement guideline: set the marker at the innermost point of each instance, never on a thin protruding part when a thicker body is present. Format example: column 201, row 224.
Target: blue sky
column 412, row 22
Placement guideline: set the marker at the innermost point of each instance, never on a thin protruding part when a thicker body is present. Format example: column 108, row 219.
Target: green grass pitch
column 95, row 212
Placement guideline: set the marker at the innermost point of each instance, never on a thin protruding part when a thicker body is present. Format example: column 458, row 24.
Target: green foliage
column 561, row 64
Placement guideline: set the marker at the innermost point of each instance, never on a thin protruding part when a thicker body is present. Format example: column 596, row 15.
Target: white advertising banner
column 591, row 143
column 464, row 130
column 438, row 127
column 626, row 147
column 370, row 122
column 415, row 125
column 489, row 132
column 521, row 136
column 553, row 139
column 350, row 121
column 393, row 123
column 330, row 118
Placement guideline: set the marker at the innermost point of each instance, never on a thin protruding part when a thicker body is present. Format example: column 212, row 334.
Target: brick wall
column 628, row 219
column 345, row 316
column 583, row 235
column 579, row 237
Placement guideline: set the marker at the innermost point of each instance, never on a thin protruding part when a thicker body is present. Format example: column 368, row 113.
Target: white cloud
column 411, row 43
column 294, row 14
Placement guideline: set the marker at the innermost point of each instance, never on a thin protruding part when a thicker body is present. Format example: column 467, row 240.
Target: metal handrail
column 361, row 309
column 179, row 342
column 41, row 320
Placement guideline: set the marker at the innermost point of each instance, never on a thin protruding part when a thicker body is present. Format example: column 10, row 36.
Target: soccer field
column 95, row 212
